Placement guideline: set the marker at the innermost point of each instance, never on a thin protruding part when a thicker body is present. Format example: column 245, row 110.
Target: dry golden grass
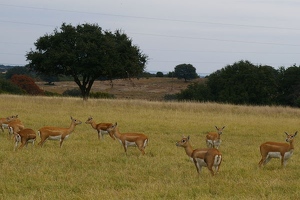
column 86, row 168
column 153, row 88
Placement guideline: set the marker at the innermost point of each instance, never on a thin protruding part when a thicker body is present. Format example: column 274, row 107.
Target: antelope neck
column 189, row 150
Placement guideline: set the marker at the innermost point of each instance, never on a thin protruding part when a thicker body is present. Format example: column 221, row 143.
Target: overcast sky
column 207, row 34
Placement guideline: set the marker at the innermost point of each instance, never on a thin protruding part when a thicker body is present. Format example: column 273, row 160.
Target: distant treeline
column 246, row 83
column 4, row 68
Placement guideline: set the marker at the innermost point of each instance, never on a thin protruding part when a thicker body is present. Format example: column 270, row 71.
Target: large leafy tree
column 86, row 52
column 244, row 83
column 185, row 71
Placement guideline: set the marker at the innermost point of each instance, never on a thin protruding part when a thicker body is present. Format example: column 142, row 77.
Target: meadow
column 88, row 168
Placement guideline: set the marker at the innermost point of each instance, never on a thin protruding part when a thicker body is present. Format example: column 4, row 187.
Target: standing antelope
column 4, row 121
column 213, row 138
column 205, row 157
column 14, row 127
column 129, row 139
column 101, row 128
column 57, row 133
column 24, row 136
column 280, row 150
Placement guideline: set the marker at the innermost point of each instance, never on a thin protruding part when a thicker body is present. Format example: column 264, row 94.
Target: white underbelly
column 103, row 132
column 215, row 142
column 287, row 155
column 57, row 137
column 209, row 141
column 31, row 141
column 4, row 126
column 201, row 162
column 130, row 144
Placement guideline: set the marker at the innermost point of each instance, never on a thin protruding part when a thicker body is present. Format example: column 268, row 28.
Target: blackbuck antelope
column 283, row 151
column 213, row 138
column 129, row 139
column 24, row 136
column 4, row 121
column 14, row 127
column 204, row 157
column 57, row 133
column 101, row 128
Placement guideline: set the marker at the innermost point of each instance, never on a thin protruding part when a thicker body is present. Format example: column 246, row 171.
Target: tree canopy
column 185, row 71
column 86, row 52
column 246, row 83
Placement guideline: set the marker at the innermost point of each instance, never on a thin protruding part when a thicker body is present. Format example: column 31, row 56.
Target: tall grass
column 86, row 168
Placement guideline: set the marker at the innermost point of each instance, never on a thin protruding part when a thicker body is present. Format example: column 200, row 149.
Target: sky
column 206, row 34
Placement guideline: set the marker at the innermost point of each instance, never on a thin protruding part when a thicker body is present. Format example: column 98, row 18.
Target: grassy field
column 86, row 168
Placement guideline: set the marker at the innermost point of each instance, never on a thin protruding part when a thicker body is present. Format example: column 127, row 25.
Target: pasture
column 87, row 168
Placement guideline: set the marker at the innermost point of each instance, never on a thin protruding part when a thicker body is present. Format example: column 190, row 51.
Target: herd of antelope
column 209, row 157
column 24, row 135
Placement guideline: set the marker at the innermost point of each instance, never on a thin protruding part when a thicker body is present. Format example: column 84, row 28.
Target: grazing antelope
column 204, row 157
column 57, row 133
column 24, row 136
column 14, row 127
column 280, row 150
column 213, row 138
column 129, row 139
column 101, row 128
column 4, row 121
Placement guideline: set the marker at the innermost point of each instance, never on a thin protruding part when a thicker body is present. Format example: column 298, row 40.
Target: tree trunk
column 85, row 87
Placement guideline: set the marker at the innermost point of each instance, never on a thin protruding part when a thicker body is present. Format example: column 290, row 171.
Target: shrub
column 171, row 97
column 48, row 93
column 72, row 92
column 101, row 95
column 195, row 92
column 26, row 83
column 10, row 88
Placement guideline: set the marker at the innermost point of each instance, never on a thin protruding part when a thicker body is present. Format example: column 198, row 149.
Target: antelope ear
column 188, row 138
column 286, row 133
column 223, row 127
column 295, row 133
column 216, row 127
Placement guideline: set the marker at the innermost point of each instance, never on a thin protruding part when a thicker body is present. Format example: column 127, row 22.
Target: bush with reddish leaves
column 27, row 84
